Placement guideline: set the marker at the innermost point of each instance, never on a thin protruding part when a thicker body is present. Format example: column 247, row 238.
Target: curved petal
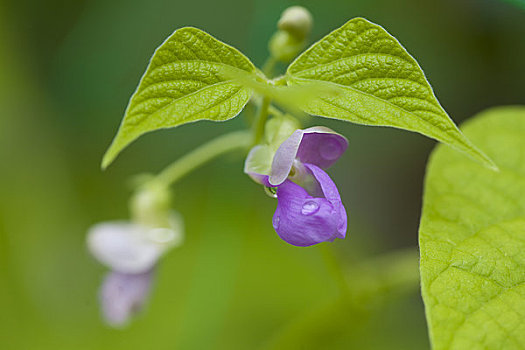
column 303, row 220
column 321, row 146
column 122, row 295
column 331, row 193
column 317, row 145
column 130, row 248
column 284, row 157
column 258, row 162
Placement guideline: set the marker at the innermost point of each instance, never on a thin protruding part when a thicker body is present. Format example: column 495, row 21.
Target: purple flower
column 309, row 209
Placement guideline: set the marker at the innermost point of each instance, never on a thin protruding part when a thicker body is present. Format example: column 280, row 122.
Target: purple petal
column 261, row 179
column 331, row 193
column 303, row 220
column 123, row 295
column 321, row 146
column 317, row 145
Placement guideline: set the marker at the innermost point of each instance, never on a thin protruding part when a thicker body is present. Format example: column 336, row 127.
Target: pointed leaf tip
column 184, row 82
column 379, row 83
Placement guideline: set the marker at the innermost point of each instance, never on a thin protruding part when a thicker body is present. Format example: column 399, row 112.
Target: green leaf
column 472, row 239
column 184, row 82
column 377, row 83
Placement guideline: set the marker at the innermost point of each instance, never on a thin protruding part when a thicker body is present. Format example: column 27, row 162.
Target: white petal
column 123, row 247
column 284, row 157
column 172, row 237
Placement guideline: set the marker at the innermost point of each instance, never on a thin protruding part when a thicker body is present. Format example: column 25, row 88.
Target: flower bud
column 294, row 26
column 150, row 206
column 284, row 46
column 297, row 21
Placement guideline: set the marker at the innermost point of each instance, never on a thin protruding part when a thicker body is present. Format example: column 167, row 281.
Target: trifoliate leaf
column 184, row 82
column 377, row 83
column 472, row 239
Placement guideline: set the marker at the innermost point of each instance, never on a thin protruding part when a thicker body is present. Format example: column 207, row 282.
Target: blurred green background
column 67, row 70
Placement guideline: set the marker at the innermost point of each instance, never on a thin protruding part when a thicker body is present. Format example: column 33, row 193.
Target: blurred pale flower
column 309, row 209
column 131, row 251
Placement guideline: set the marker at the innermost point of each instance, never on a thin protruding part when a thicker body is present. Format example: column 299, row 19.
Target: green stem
column 269, row 66
column 226, row 143
column 260, row 122
column 275, row 111
column 279, row 81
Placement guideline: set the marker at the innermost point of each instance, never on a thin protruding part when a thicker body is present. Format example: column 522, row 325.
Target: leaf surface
column 184, row 82
column 371, row 79
column 472, row 239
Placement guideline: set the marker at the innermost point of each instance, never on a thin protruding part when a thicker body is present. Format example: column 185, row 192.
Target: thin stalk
column 269, row 66
column 260, row 122
column 237, row 140
column 272, row 110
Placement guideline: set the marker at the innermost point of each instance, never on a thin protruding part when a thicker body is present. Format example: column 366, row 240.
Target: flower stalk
column 260, row 122
column 237, row 140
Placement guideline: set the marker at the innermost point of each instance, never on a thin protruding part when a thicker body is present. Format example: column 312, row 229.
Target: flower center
column 298, row 172
column 301, row 176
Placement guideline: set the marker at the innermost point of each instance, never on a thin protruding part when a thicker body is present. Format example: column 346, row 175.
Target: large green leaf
column 376, row 82
column 184, row 82
column 472, row 239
